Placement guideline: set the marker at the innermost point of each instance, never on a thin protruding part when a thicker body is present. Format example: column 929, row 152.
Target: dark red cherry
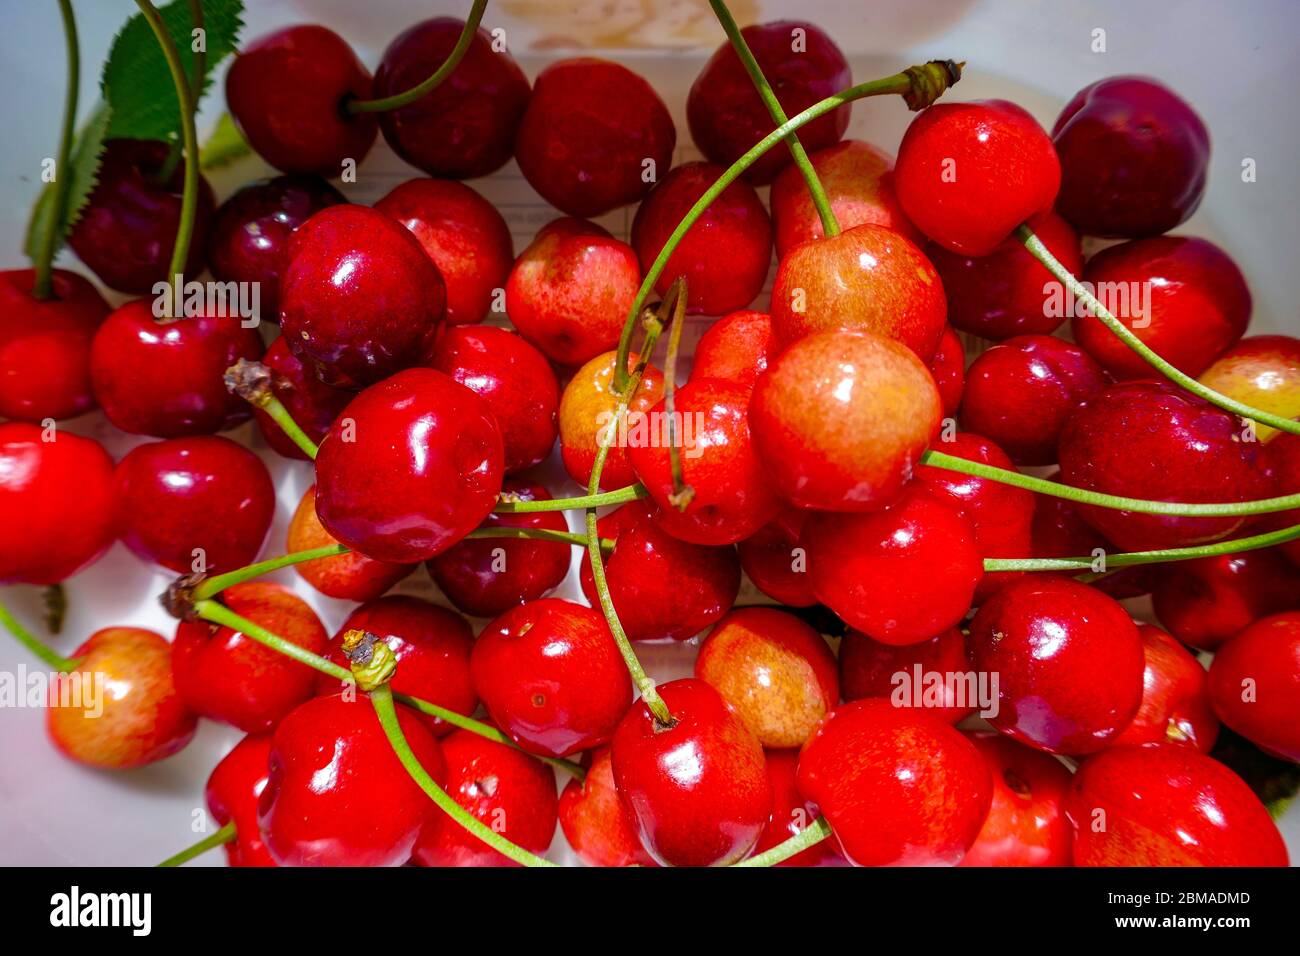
column 1059, row 530
column 735, row 348
column 232, row 793
column 350, row 576
column 924, row 674
column 1255, row 684
column 1026, row 824
column 948, row 369
column 791, row 813
column 310, row 402
column 1205, row 601
column 1175, row 697
column 597, row 823
column 776, row 563
column 1282, row 455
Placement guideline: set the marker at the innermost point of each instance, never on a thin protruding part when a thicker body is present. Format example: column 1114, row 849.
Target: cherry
column 570, row 291
column 802, row 64
column 350, row 576
column 514, row 379
column 698, row 787
column 464, row 235
column 969, row 173
column 867, row 278
column 127, row 228
column 593, row 136
column 1282, row 455
column 1167, row 805
column 1205, row 601
column 1007, row 291
column 232, row 793
column 735, row 348
column 56, row 504
column 465, row 127
column 1255, row 684
column 310, row 402
column 431, row 646
column 412, row 465
column 250, row 235
column 504, row 788
column 774, row 670
column 1069, row 662
column 1026, row 825
column 597, row 823
column 138, row 718
column 776, row 563
column 359, row 297
column 870, row 668
column 1175, row 701
column 902, row 575
column 791, row 813
column 662, row 587
column 224, row 675
column 587, row 408
column 1059, row 531
column 552, row 677
column 288, row 92
column 724, row 256
column 858, row 180
column 948, row 369
column 189, row 504
column 897, row 787
column 1264, row 372
column 1133, row 158
column 1186, row 299
column 840, row 419
column 337, row 795
column 1020, row 392
column 45, row 345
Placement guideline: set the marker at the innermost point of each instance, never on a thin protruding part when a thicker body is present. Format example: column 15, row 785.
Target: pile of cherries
column 808, row 473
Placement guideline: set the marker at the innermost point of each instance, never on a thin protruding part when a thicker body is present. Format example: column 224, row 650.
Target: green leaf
column 84, row 163
column 224, row 146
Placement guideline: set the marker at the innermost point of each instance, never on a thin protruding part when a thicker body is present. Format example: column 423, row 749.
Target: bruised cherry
column 1255, row 684
column 911, row 675
column 232, row 793
column 350, row 576
column 587, row 407
column 1175, row 697
column 596, row 822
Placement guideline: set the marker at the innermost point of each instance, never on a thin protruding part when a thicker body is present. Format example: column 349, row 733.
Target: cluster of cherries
column 810, row 476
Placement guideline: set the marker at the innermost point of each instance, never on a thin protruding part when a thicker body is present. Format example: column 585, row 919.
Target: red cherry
column 1026, row 825
column 735, row 348
column 870, row 668
column 232, row 793
column 948, row 369
column 224, row 675
column 1205, row 601
column 698, row 788
column 194, row 503
column 591, row 131
column 350, row 576
column 1069, row 662
column 466, row 127
column 1059, row 530
column 897, row 787
column 337, row 795
column 288, row 93
column 776, row 563
column 1175, row 700
column 1167, row 805
column 597, row 823
column 1255, row 684
column 1282, row 455
column 803, row 65
column 587, row 408
column 969, row 173
column 310, row 402
column 1133, row 158
column 791, row 813
column 464, row 235
column 56, row 504
column 411, row 466
column 45, row 345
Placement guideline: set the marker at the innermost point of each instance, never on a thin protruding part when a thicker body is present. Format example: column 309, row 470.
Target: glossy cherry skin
column 514, row 379
column 735, row 348
column 1175, row 698
column 597, row 823
column 224, row 675
column 189, row 504
column 1133, row 158
column 588, row 133
column 899, row 788
column 1264, row 372
column 791, row 813
column 419, row 470
column 775, row 670
column 870, row 668
column 1205, row 601
column 902, row 575
column 465, row 128
column 776, row 563
column 232, row 793
column 587, row 408
column 723, row 257
column 1007, row 291
column 504, row 788
column 1167, row 805
column 1187, row 300
column 1020, row 392
column 464, row 235
column 337, row 795
column 969, row 173
column 948, row 369
column 1069, row 659
column 431, row 646
column 867, row 278
column 1026, row 824
column 349, row 576
column 56, row 504
column 140, row 718
column 698, row 789
column 840, row 419
column 127, row 228
column 310, row 402
column 571, row 289
column 802, row 64
column 552, row 677
column 1255, row 684
column 250, row 235
column 1152, row 440
column 287, row 92
column 45, row 345
column 662, row 587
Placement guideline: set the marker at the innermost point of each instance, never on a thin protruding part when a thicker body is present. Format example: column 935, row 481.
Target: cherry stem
column 43, row 287
column 539, row 534
column 682, row 493
column 213, row 586
column 619, row 496
column 810, row 835
column 398, row 100
column 223, row 836
column 1063, row 275
column 830, row 225
column 34, row 644
column 254, row 383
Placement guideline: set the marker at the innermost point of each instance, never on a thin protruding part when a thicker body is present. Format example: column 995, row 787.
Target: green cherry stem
column 254, row 383
column 810, row 835
column 1035, row 247
column 223, row 836
column 211, row 587
column 34, row 644
column 43, row 287
column 510, row 506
